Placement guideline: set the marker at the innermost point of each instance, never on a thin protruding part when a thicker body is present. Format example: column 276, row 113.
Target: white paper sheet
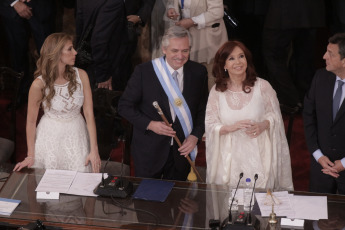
column 56, row 181
column 69, row 182
column 7, row 206
column 85, row 183
column 296, row 223
column 310, row 207
column 47, row 195
column 282, row 209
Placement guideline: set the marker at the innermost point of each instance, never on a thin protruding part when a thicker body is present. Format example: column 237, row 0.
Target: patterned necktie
column 174, row 75
column 337, row 98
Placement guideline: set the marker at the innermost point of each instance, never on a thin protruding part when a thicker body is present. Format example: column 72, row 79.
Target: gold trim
column 178, row 102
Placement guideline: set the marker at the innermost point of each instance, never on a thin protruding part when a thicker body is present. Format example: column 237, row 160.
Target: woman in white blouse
column 244, row 127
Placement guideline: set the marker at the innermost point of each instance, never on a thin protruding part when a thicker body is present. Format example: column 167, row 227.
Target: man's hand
column 327, row 166
column 188, row 206
column 185, row 23
column 338, row 166
column 188, row 145
column 336, row 169
column 23, row 10
column 160, row 128
column 106, row 84
column 133, row 18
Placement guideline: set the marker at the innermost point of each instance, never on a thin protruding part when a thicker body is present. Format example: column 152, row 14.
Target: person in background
column 324, row 121
column 108, row 33
column 138, row 15
column 204, row 21
column 288, row 44
column 18, row 16
column 180, row 88
column 244, row 126
column 62, row 139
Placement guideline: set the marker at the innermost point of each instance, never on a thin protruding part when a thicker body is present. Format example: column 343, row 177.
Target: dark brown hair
column 339, row 39
column 222, row 77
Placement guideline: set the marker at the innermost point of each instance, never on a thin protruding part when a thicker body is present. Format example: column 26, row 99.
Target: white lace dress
column 229, row 155
column 62, row 140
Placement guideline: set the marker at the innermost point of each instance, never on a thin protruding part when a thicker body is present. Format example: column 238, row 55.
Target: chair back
column 9, row 89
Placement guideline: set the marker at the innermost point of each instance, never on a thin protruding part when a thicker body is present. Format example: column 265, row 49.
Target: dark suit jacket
column 142, row 8
column 320, row 130
column 107, row 35
column 39, row 7
column 291, row 14
column 135, row 105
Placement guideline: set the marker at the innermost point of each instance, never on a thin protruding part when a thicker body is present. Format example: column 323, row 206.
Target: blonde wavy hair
column 47, row 66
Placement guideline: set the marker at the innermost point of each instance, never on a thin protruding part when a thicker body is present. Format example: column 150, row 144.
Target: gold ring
column 254, row 133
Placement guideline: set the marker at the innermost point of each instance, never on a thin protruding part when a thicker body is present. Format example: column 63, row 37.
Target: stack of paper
column 7, row 206
column 54, row 182
column 294, row 207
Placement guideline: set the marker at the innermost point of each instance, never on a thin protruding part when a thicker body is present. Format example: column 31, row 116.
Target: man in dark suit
column 138, row 14
column 154, row 152
column 288, row 46
column 20, row 18
column 106, row 40
column 324, row 121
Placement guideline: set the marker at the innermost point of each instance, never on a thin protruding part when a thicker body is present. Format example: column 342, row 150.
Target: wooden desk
column 76, row 212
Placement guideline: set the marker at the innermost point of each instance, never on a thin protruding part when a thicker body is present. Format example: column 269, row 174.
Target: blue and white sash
column 175, row 97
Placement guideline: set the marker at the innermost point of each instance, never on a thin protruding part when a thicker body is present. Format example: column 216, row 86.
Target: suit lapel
column 329, row 88
column 341, row 111
column 187, row 81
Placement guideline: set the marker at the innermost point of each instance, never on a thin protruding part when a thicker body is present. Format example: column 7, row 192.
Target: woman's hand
column 257, row 128
column 244, row 124
column 171, row 13
column 27, row 162
column 185, row 23
column 95, row 162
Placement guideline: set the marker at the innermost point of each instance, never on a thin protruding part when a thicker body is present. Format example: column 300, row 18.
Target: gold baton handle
column 160, row 112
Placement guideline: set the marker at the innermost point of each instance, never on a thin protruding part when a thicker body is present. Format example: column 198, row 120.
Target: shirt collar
column 338, row 78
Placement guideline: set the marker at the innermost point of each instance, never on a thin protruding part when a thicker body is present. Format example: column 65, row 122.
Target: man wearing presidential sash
column 180, row 88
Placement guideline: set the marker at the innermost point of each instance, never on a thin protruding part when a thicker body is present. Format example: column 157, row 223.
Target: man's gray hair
column 175, row 32
column 339, row 39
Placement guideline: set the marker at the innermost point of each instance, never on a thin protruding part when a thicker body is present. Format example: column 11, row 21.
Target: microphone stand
column 249, row 222
column 229, row 222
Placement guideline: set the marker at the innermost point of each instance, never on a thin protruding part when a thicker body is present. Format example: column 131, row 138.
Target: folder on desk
column 153, row 190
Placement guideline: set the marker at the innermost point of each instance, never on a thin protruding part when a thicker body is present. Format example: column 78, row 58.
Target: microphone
column 228, row 221
column 114, row 186
column 249, row 222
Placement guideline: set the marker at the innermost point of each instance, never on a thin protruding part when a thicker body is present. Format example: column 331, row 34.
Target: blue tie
column 337, row 98
column 174, row 75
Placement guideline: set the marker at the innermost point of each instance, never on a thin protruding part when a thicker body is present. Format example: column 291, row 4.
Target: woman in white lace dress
column 62, row 139
column 244, row 127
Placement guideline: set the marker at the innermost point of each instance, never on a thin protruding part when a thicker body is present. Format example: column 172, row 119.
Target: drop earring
column 225, row 70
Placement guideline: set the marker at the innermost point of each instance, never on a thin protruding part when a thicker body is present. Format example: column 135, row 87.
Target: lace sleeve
column 212, row 127
column 281, row 162
column 270, row 97
column 212, row 111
